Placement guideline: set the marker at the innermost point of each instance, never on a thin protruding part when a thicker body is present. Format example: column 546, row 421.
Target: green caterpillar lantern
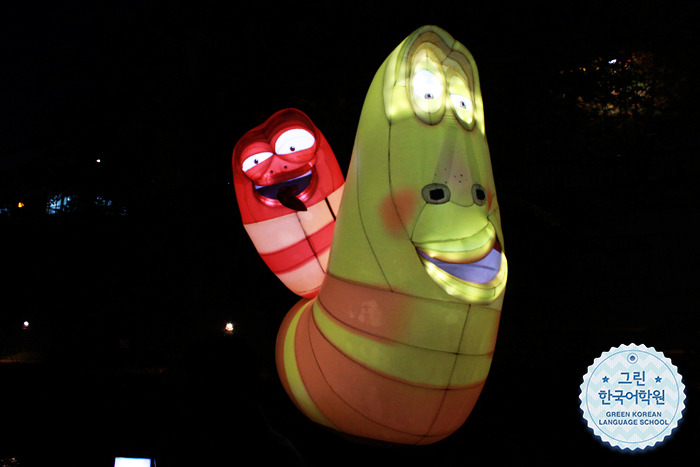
column 398, row 343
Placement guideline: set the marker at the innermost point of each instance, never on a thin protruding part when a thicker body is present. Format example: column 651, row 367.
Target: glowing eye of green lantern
column 426, row 86
column 462, row 103
column 427, row 90
column 254, row 160
column 294, row 140
column 428, row 101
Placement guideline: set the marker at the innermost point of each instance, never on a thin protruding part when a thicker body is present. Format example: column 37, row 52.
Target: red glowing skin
column 293, row 238
column 326, row 174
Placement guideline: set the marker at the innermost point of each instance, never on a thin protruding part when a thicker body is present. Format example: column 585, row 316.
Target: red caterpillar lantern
column 288, row 186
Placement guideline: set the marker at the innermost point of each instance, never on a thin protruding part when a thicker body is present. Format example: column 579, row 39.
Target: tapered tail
column 343, row 392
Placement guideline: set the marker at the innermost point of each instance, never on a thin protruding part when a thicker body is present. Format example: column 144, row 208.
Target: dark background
column 127, row 292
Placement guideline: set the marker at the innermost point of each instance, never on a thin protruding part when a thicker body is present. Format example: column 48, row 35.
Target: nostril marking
column 436, row 193
column 479, row 194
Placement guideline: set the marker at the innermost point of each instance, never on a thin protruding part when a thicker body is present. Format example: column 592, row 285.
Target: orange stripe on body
column 308, row 347
column 362, row 402
column 396, row 317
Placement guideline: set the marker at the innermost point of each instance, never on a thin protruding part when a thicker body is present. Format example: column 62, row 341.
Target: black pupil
column 437, row 194
column 480, row 194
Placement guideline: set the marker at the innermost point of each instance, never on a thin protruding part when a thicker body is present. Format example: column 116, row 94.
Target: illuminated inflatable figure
column 288, row 186
column 398, row 343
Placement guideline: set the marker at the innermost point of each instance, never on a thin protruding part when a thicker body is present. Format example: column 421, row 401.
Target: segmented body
column 295, row 246
column 398, row 342
column 350, row 366
column 288, row 188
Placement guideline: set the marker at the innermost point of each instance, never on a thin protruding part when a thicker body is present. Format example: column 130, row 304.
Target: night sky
column 125, row 299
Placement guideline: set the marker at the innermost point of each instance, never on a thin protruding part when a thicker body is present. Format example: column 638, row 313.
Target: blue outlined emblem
column 632, row 397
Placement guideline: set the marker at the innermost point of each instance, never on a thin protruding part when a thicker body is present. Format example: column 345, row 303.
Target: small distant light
column 98, row 160
column 131, row 462
column 20, row 204
column 25, row 325
column 229, row 328
column 613, row 61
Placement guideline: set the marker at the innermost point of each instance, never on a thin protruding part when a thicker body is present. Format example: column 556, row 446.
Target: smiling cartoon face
column 398, row 343
column 281, row 166
column 425, row 197
column 440, row 169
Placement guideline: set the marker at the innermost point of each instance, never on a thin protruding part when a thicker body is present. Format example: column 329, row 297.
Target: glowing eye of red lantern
column 254, row 160
column 294, row 140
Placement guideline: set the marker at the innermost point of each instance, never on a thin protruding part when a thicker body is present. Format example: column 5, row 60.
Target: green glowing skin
column 398, row 343
column 420, row 129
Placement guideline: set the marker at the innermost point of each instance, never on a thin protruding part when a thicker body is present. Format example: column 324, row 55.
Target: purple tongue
column 480, row 272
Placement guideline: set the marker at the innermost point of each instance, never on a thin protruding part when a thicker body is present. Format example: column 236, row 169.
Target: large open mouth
column 479, row 281
column 482, row 271
column 288, row 192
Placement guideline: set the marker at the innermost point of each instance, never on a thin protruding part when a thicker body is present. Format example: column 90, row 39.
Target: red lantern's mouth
column 289, row 193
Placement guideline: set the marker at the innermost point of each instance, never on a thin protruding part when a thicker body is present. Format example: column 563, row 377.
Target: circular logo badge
column 632, row 397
